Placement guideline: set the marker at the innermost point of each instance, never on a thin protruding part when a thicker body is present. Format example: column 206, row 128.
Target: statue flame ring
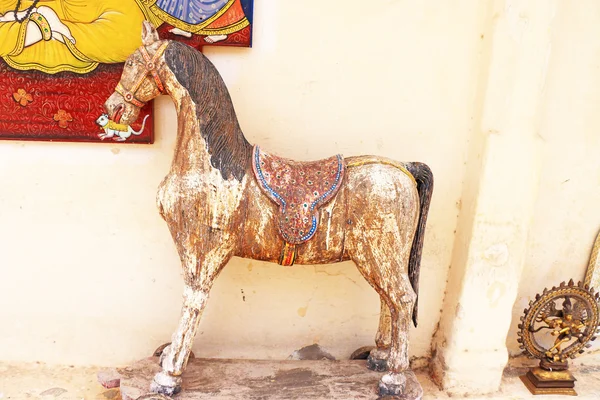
column 566, row 317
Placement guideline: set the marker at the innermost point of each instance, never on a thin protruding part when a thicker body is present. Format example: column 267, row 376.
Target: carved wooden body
column 215, row 208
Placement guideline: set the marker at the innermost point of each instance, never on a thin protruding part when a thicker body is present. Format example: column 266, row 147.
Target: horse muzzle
column 119, row 110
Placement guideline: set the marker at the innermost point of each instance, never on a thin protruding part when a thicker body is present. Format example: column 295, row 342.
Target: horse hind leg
column 377, row 360
column 388, row 276
column 402, row 300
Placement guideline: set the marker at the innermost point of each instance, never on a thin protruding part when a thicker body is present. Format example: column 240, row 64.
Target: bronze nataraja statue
column 558, row 326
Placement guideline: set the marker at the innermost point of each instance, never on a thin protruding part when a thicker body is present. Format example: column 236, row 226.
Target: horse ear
column 149, row 34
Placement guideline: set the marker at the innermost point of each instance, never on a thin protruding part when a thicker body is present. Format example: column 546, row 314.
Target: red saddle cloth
column 299, row 188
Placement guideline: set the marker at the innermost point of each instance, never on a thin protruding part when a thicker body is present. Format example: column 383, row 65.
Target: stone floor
column 45, row 382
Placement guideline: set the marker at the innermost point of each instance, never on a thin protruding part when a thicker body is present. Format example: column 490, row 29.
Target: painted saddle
column 300, row 189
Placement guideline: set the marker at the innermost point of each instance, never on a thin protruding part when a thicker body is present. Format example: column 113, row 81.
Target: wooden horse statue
column 224, row 197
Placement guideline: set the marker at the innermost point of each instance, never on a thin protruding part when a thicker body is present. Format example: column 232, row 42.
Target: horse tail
column 424, row 178
column 142, row 128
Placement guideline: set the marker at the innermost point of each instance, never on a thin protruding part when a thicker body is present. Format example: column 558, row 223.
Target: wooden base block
column 541, row 381
column 218, row 379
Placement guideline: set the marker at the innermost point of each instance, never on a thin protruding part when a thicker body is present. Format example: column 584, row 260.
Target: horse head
column 141, row 79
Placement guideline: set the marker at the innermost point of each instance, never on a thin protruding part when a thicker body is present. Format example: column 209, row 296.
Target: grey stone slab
column 218, row 379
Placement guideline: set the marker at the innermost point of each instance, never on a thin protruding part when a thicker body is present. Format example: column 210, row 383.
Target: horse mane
column 229, row 150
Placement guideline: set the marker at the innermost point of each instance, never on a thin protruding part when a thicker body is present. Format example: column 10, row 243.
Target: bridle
column 129, row 95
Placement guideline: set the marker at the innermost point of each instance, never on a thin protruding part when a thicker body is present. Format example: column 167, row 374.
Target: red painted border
column 60, row 107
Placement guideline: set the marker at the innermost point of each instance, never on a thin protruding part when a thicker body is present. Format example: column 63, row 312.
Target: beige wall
column 567, row 216
column 88, row 271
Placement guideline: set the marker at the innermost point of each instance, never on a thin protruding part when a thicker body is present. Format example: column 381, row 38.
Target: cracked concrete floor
column 50, row 382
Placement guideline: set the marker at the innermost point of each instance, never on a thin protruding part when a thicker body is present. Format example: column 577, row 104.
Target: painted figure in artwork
column 117, row 132
column 76, row 35
column 69, row 35
column 224, row 197
column 216, row 19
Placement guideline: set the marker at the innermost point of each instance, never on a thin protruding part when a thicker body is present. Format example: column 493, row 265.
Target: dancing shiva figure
column 224, row 197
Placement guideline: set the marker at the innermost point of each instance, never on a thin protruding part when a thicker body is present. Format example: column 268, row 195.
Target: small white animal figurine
column 118, row 132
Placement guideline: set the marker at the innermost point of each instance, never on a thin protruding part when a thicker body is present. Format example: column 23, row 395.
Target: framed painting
column 61, row 59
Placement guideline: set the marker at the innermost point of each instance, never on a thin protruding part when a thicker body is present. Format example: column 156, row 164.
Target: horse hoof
column 401, row 386
column 165, row 384
column 162, row 350
column 164, row 390
column 392, row 385
column 377, row 361
column 362, row 353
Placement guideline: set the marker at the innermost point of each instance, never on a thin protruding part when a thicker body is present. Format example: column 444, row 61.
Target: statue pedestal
column 217, row 379
column 541, row 381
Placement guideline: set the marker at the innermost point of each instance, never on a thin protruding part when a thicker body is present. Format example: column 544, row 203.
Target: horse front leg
column 176, row 355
